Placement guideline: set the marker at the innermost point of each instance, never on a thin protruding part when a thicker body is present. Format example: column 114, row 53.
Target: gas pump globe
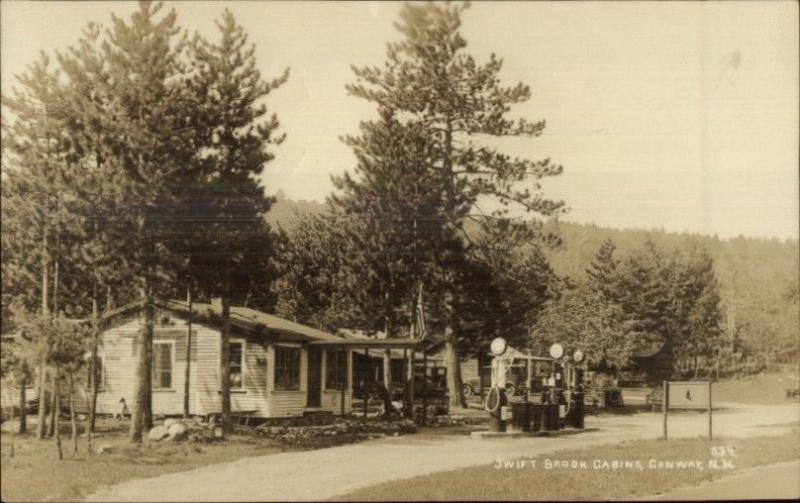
column 498, row 348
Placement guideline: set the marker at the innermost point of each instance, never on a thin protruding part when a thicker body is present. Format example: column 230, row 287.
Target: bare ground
column 325, row 473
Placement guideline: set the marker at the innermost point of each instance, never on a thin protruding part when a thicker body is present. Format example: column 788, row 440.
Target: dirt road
column 322, row 474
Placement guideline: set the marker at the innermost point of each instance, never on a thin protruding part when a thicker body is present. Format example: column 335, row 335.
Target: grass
column 36, row 474
column 765, row 389
column 516, row 481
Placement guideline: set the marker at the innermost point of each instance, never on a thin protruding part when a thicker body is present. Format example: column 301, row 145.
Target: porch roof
column 370, row 343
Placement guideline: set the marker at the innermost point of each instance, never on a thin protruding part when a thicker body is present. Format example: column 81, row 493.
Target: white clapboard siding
column 253, row 396
column 119, row 365
column 118, row 349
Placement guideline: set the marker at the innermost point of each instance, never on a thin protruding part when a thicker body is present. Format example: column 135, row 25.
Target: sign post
column 664, row 407
column 709, row 410
column 687, row 395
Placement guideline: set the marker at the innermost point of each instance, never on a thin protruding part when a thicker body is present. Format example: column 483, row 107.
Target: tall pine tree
column 220, row 199
column 430, row 81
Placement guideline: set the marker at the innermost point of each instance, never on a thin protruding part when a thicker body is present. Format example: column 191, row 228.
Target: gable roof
column 242, row 319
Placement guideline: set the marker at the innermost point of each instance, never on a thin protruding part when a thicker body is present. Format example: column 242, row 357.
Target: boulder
column 158, row 433
column 169, row 422
column 105, row 449
column 178, row 431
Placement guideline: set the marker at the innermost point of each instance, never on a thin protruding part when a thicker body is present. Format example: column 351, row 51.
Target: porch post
column 364, row 381
column 347, row 377
column 411, row 383
column 406, row 406
column 425, row 387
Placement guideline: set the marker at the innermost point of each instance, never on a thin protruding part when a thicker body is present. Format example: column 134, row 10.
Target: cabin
column 651, row 363
column 278, row 368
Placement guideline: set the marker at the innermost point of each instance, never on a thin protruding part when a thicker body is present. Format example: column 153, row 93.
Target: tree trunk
column 225, row 371
column 54, row 405
column 89, row 447
column 41, row 425
column 11, row 441
column 455, row 390
column 72, row 414
column 410, row 384
column 23, row 411
column 55, row 420
column 93, row 370
column 387, row 368
column 139, row 410
column 148, row 375
column 187, row 372
column 55, row 272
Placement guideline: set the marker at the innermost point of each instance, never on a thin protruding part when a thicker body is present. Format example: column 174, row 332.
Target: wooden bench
column 655, row 400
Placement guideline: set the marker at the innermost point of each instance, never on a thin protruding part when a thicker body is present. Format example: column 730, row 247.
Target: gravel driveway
column 324, row 473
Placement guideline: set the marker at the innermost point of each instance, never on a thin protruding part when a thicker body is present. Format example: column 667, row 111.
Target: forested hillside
column 758, row 278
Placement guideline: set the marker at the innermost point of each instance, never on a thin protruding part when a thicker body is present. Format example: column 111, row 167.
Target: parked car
column 31, row 407
column 472, row 387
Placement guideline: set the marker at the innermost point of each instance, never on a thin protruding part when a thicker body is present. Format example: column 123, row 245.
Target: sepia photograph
column 399, row 251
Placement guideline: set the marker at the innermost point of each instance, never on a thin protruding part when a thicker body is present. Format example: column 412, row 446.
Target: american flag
column 419, row 317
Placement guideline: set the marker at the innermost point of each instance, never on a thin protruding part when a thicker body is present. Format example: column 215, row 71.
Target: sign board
column 688, row 395
column 505, row 413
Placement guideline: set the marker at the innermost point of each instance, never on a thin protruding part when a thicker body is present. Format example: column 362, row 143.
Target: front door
column 314, row 377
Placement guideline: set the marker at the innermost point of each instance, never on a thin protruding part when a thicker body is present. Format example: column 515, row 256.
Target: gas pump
column 496, row 399
column 577, row 395
column 566, row 393
column 573, row 372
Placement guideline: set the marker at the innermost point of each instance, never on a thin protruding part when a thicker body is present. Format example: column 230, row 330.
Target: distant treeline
column 757, row 281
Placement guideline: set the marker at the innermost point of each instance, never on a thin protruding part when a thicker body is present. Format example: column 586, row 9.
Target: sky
column 674, row 115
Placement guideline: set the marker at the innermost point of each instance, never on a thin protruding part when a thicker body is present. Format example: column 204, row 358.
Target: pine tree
column 99, row 206
column 219, row 197
column 582, row 319
column 150, row 136
column 429, row 81
column 35, row 172
column 320, row 276
column 392, row 221
column 602, row 271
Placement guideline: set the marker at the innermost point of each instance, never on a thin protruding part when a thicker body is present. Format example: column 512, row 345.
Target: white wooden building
column 279, row 368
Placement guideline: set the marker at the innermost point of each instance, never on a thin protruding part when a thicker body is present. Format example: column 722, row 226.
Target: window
column 287, row 368
column 237, row 365
column 162, row 365
column 335, row 370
